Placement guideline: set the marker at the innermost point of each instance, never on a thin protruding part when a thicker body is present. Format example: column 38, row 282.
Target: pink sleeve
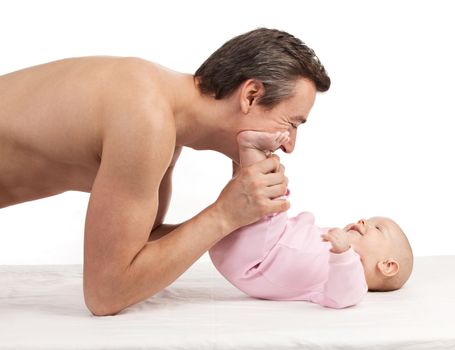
column 346, row 284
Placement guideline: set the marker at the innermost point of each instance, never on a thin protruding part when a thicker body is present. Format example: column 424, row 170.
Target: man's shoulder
column 131, row 79
column 133, row 103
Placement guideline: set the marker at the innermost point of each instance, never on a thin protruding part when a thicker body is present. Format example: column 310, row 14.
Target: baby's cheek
column 356, row 249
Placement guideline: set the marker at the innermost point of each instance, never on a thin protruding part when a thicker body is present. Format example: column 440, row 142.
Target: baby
column 283, row 258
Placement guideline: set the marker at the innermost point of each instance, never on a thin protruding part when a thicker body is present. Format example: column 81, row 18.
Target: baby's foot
column 263, row 141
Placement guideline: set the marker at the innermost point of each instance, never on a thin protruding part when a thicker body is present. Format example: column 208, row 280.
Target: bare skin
column 115, row 127
column 254, row 146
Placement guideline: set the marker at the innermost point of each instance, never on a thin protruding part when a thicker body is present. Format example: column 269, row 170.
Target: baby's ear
column 389, row 267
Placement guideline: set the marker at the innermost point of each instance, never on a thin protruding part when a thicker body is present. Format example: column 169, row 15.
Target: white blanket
column 42, row 307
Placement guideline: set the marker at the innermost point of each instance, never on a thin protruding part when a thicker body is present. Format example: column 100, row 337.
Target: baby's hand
column 338, row 238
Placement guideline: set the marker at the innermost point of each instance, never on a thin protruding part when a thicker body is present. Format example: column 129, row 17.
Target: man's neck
column 201, row 122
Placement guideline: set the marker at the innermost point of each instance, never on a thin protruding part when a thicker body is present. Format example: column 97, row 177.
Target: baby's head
column 384, row 250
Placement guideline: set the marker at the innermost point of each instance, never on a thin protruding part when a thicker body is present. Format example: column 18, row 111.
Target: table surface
column 43, row 307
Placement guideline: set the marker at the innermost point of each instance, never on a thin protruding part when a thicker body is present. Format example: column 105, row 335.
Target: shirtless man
column 115, row 126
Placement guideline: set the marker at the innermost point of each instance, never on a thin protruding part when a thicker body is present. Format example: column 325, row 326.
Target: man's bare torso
column 51, row 124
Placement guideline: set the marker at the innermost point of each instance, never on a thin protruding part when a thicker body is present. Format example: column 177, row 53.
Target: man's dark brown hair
column 274, row 57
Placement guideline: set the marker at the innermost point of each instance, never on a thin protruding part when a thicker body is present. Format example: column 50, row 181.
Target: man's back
column 51, row 124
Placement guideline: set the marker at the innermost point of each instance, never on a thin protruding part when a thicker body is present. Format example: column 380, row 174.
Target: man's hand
column 338, row 238
column 250, row 194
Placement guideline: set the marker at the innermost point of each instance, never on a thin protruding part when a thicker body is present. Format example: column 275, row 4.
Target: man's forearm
column 162, row 230
column 162, row 261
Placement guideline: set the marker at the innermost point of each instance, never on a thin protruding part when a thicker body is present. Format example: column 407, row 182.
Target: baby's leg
column 237, row 255
column 246, row 247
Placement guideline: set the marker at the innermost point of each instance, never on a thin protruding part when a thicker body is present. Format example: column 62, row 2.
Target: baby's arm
column 346, row 284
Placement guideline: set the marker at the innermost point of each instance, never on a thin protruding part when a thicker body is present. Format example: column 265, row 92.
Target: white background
column 380, row 142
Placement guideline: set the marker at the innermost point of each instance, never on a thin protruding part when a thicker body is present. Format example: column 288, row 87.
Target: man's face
column 286, row 116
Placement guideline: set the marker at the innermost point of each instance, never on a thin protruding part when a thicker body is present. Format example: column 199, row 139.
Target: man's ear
column 250, row 91
column 389, row 267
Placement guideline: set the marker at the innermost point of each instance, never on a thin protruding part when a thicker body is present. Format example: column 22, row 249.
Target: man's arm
column 121, row 267
column 165, row 192
column 161, row 231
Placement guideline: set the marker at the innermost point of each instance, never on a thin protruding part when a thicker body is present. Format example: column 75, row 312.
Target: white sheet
column 42, row 307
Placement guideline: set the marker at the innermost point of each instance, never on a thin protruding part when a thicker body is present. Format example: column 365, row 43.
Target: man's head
column 271, row 76
column 272, row 57
column 384, row 250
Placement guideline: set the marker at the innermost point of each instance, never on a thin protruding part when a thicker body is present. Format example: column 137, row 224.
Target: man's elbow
column 101, row 301
column 100, row 311
column 100, row 306
column 108, row 299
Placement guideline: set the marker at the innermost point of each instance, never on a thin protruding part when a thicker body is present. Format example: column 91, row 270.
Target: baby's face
column 373, row 237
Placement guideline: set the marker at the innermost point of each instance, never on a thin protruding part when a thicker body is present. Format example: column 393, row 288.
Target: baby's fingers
column 326, row 237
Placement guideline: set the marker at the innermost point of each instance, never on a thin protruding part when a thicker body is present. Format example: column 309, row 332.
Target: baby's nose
column 361, row 221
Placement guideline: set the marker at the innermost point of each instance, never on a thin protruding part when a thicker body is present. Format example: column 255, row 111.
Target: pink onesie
column 283, row 258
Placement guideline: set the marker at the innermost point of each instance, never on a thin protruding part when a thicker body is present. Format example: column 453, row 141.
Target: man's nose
column 289, row 146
